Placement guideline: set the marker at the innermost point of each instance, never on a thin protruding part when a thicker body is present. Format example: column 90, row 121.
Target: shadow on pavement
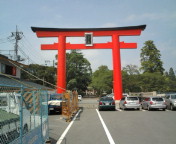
column 79, row 115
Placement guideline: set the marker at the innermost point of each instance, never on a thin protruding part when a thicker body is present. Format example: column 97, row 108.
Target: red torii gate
column 115, row 45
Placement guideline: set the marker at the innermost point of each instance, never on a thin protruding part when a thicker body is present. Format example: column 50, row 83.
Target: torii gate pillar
column 117, row 77
column 115, row 45
column 61, row 65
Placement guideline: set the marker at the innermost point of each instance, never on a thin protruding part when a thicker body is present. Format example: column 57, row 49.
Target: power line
column 31, row 52
column 35, row 76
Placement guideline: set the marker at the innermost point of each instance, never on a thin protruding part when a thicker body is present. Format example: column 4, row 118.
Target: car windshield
column 106, row 99
column 55, row 97
column 132, row 98
column 157, row 99
column 173, row 96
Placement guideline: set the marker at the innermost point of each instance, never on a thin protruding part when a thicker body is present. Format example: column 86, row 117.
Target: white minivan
column 10, row 116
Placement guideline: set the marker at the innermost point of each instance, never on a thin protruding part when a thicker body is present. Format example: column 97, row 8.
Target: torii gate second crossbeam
column 89, row 33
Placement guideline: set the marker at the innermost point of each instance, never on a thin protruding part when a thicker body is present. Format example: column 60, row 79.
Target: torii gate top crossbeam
column 141, row 27
column 55, row 32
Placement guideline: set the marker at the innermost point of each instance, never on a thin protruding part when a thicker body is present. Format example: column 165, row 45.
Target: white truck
column 55, row 103
column 10, row 117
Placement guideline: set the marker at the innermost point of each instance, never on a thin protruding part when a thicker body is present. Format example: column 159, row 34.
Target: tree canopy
column 102, row 80
column 43, row 72
column 151, row 58
column 78, row 71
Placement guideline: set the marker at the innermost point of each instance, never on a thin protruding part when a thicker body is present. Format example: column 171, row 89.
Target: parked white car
column 151, row 102
column 80, row 97
column 125, row 95
column 171, row 101
column 129, row 102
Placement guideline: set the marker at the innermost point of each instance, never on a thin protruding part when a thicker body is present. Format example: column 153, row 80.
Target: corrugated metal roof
column 10, row 82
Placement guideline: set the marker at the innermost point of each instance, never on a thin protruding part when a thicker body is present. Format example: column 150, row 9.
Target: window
column 89, row 39
column 157, row 99
column 2, row 68
column 3, row 101
column 132, row 98
column 173, row 96
column 7, row 69
column 167, row 97
column 12, row 101
column 108, row 98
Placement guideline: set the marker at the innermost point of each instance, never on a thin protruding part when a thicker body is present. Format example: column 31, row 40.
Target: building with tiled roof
column 10, row 74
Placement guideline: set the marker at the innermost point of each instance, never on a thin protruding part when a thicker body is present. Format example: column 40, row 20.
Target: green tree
column 152, row 82
column 131, row 79
column 42, row 72
column 171, row 74
column 151, row 58
column 131, row 69
column 78, row 71
column 102, row 80
column 170, row 79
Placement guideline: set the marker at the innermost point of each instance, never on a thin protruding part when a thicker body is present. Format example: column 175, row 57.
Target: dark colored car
column 106, row 103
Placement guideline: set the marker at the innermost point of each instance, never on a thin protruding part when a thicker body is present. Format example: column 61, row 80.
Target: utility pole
column 18, row 36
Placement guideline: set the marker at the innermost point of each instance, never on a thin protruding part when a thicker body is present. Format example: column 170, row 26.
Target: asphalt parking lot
column 122, row 127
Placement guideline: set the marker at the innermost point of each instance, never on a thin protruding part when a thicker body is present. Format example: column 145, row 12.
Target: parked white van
column 10, row 117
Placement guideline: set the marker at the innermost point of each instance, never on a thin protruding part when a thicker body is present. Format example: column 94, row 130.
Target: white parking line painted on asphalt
column 111, row 141
column 67, row 129
column 118, row 109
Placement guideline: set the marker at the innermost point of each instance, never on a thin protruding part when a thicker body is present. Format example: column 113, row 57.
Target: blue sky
column 158, row 15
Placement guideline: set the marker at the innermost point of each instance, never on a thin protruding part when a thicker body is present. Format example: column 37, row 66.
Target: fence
column 23, row 115
column 69, row 105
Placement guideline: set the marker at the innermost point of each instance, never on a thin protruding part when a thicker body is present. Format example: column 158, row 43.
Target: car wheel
column 167, row 107
column 49, row 112
column 149, row 109
column 171, row 107
column 164, row 109
column 99, row 109
column 25, row 129
column 142, row 107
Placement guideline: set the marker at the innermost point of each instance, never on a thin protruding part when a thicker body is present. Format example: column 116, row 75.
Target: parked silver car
column 150, row 103
column 129, row 102
column 171, row 101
